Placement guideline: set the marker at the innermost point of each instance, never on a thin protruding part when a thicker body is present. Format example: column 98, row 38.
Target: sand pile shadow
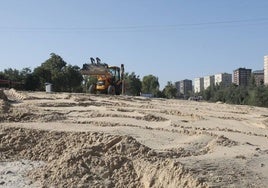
column 92, row 160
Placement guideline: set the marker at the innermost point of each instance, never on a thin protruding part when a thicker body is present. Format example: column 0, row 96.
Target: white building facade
column 225, row 79
column 266, row 70
column 208, row 81
column 198, row 84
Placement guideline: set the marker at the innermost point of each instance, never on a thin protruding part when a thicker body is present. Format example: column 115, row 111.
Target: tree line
column 67, row 78
column 242, row 95
column 55, row 70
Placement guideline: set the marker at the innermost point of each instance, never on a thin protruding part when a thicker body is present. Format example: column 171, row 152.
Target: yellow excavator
column 110, row 79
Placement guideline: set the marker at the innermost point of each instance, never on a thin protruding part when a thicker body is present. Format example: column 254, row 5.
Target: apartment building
column 184, row 87
column 198, row 84
column 177, row 85
column 208, row 81
column 258, row 77
column 225, row 79
column 241, row 76
column 266, row 70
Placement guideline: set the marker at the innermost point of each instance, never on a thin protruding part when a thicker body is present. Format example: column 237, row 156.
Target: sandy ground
column 82, row 140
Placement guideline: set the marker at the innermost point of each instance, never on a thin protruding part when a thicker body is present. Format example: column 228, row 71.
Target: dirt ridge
column 94, row 159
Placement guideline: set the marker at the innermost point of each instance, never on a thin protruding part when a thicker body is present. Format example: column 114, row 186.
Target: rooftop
column 258, row 72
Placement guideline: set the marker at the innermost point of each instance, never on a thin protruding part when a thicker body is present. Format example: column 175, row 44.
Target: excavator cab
column 115, row 72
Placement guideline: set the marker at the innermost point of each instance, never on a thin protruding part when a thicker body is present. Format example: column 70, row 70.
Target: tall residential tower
column 242, row 76
column 266, row 70
column 258, row 77
column 224, row 79
column 184, row 88
column 198, row 84
column 208, row 81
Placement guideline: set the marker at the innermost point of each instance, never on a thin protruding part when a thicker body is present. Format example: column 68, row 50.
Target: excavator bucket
column 94, row 69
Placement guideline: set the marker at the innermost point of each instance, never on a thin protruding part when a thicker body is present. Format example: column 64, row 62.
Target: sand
column 82, row 140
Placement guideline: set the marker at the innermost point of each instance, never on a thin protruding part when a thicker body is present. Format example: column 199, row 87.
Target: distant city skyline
column 241, row 77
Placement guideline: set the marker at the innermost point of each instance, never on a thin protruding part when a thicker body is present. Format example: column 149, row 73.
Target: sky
column 170, row 39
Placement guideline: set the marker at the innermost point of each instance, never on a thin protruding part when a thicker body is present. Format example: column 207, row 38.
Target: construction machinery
column 109, row 78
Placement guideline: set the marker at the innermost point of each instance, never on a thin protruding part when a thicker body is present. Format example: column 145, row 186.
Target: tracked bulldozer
column 110, row 79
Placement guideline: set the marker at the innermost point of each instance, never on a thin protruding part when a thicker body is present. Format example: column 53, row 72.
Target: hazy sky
column 171, row 39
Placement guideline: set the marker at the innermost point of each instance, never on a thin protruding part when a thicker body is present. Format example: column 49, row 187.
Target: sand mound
column 92, row 160
column 12, row 94
column 88, row 141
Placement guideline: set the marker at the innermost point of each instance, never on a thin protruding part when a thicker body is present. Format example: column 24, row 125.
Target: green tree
column 29, row 81
column 208, row 93
column 252, row 81
column 242, row 95
column 43, row 75
column 132, row 84
column 12, row 74
column 15, row 76
column 3, row 76
column 32, row 82
column 150, row 84
column 73, row 79
column 261, row 96
column 55, row 64
column 62, row 76
column 25, row 71
column 218, row 96
column 231, row 94
column 52, row 71
column 170, row 90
